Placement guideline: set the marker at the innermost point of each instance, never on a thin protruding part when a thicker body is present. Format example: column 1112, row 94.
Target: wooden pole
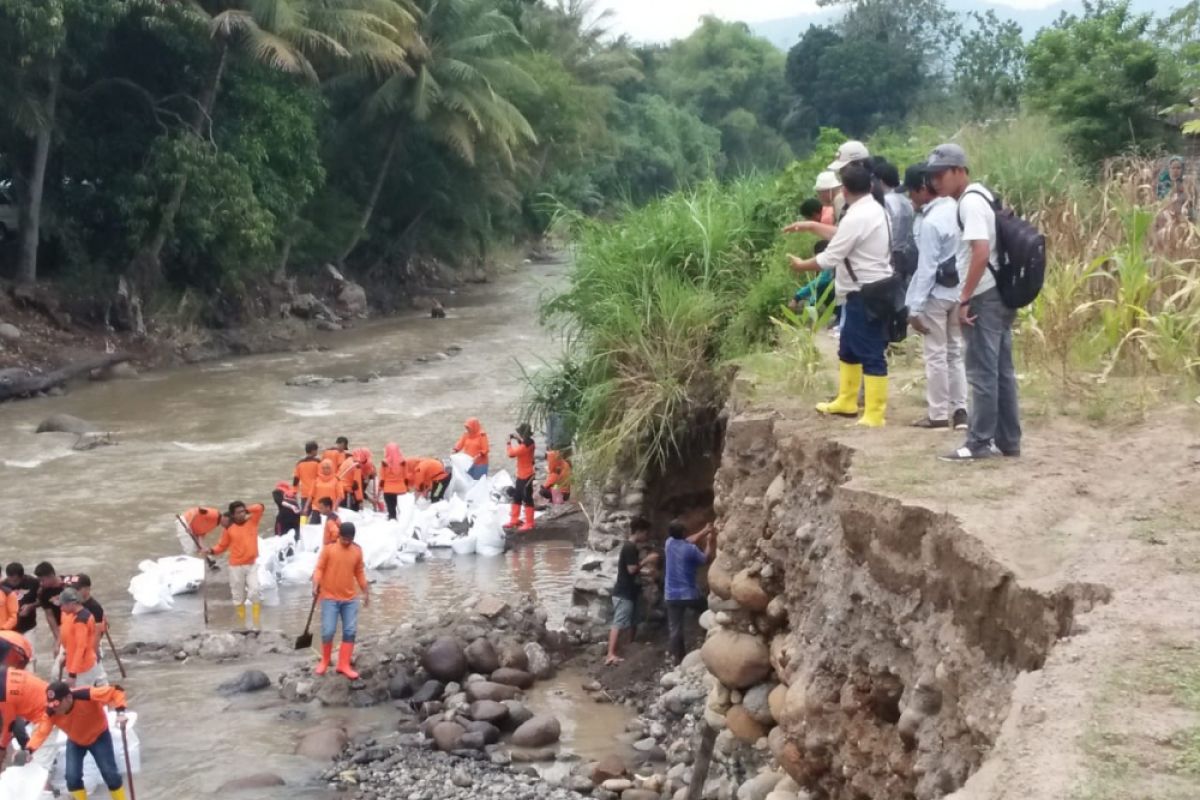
column 703, row 759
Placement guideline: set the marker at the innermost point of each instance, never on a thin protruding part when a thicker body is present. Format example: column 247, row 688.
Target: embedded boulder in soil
column 482, row 657
column 738, row 660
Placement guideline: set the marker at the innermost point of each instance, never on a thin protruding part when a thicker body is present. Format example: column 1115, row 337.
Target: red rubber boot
column 515, row 518
column 529, row 518
column 343, row 667
column 326, row 657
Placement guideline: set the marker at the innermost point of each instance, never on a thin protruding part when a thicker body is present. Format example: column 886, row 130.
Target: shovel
column 305, row 640
column 116, row 655
column 128, row 764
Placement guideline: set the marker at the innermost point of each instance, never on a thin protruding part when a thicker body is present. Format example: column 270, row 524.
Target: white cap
column 848, row 152
column 826, row 181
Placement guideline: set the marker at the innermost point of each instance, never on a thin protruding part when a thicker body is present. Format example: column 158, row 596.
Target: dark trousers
column 522, row 492
column 390, row 501
column 106, row 761
column 438, row 492
column 995, row 414
column 677, row 624
column 863, row 340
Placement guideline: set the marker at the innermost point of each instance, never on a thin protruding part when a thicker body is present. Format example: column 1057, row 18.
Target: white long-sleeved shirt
column 938, row 239
column 862, row 238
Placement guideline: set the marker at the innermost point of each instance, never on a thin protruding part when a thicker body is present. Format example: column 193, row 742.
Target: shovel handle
column 116, row 655
column 128, row 763
column 311, row 610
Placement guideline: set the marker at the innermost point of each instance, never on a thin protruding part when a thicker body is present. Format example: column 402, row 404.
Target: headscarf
column 363, row 456
column 473, row 426
column 392, row 457
column 288, row 490
column 326, row 468
column 1165, row 185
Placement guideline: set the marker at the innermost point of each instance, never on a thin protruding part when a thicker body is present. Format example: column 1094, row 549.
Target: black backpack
column 1020, row 253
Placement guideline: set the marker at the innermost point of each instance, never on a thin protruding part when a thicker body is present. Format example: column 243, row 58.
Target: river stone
column 9, row 332
column 259, row 780
column 472, row 741
column 737, row 659
column 447, row 736
column 617, row 785
column 742, row 725
column 252, row 680
column 488, row 711
column 518, row 714
column 310, row 381
column 430, row 690
column 532, row 755
column 322, row 745
column 512, row 655
column 491, row 607
column 540, row 731
column 539, row 661
column 748, row 592
column 487, row 690
column 351, row 300
column 482, row 657
column 65, row 423
column 720, row 579
column 757, row 702
column 758, row 787
column 609, row 767
column 777, row 702
column 512, row 677
column 639, row 794
column 445, row 660
column 491, row 734
column 334, row 691
column 400, row 686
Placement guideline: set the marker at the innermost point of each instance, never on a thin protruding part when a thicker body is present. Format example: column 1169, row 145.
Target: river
column 226, row 431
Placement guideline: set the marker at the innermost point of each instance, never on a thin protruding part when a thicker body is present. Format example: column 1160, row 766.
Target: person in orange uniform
column 193, row 525
column 241, row 540
column 327, row 487
column 428, row 477
column 81, row 714
column 332, row 523
column 78, row 635
column 338, row 453
column 368, row 475
column 557, row 487
column 475, row 444
column 304, row 476
column 393, row 477
column 337, row 580
column 521, row 447
column 10, row 607
column 22, row 703
column 15, row 650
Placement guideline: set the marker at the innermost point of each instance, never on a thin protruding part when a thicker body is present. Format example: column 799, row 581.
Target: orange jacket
column 327, row 485
column 305, row 475
column 201, row 521
column 558, row 471
column 474, row 442
column 78, row 636
column 423, row 473
column 332, row 527
column 340, row 572
column 334, row 455
column 351, row 478
column 242, row 540
column 22, row 695
column 393, row 472
column 86, row 721
column 523, row 453
column 9, row 606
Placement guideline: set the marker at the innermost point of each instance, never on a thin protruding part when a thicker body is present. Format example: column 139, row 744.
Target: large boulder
column 490, row 733
column 259, row 780
column 737, row 659
column 541, row 731
column 512, row 677
column 351, row 300
column 445, row 660
column 758, row 702
column 742, row 725
column 487, row 690
column 252, row 680
column 334, row 691
column 430, row 690
column 323, row 744
column 447, row 736
column 65, row 423
column 482, row 657
column 777, row 702
column 512, row 655
column 611, row 767
column 488, row 711
column 720, row 580
column 748, row 592
column 540, row 665
column 518, row 714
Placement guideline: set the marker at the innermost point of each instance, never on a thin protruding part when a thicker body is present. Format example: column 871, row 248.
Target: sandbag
column 23, row 783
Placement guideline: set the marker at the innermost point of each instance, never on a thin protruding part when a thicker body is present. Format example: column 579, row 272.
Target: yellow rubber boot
column 850, row 377
column 256, row 614
column 241, row 612
column 117, row 794
column 78, row 794
column 876, row 393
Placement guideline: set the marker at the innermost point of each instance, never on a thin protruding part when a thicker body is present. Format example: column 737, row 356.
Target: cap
column 346, row 530
column 914, row 177
column 947, row 156
column 68, row 595
column 827, row 181
column 848, row 152
column 55, row 692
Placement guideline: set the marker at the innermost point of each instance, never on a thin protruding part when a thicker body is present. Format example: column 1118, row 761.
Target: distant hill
column 784, row 33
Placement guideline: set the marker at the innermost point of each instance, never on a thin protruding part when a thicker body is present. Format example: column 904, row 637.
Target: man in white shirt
column 994, row 420
column 859, row 254
column 933, row 305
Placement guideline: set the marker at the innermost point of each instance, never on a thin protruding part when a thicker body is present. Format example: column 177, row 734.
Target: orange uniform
column 9, row 606
column 340, row 572
column 423, row 473
column 333, row 527
column 23, row 696
column 78, row 636
column 523, row 453
column 201, row 521
column 86, row 721
column 242, row 540
column 393, row 473
column 558, row 471
column 474, row 442
column 304, row 477
column 351, row 478
column 327, row 486
column 334, row 455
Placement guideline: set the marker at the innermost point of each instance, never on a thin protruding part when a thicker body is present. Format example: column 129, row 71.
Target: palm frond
column 277, row 53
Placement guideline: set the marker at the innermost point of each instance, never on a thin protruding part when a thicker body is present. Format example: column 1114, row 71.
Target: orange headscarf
column 392, row 457
column 327, row 468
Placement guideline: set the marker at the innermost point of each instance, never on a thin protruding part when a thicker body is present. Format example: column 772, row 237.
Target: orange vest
column 523, row 453
column 77, row 633
column 340, row 572
column 305, row 475
column 242, row 540
column 87, row 720
column 22, row 694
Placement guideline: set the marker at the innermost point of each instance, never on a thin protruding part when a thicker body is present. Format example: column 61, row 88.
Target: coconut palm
column 294, row 37
column 453, row 90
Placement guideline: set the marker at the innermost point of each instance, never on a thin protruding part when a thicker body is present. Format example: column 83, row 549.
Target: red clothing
column 305, row 475
column 474, row 442
column 23, row 695
column 242, row 540
column 77, row 633
column 201, row 521
column 86, row 721
column 523, row 453
column 423, row 473
column 340, row 572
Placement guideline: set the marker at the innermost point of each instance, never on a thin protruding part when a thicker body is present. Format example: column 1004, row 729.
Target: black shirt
column 27, row 592
column 97, row 610
column 627, row 584
column 45, row 599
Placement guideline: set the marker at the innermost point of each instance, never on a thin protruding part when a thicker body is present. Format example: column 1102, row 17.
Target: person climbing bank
column 287, row 510
column 522, row 448
column 241, row 540
column 81, row 714
column 339, row 577
column 474, row 442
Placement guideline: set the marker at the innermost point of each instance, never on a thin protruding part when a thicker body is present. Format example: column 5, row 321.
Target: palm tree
column 581, row 37
column 453, row 89
column 293, row 37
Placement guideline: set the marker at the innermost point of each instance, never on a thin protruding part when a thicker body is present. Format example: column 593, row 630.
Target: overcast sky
column 658, row 20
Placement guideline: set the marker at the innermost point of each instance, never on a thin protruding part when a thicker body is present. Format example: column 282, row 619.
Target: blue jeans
column 863, row 341
column 994, row 413
column 102, row 753
column 331, row 611
column 478, row 471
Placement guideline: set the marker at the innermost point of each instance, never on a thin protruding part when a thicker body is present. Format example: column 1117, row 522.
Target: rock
column 122, row 371
column 742, row 725
column 486, row 690
column 447, row 736
column 748, row 592
column 540, row 665
column 782, row 795
column 645, row 745
column 518, row 714
column 540, row 731
column 758, row 787
column 429, row 691
column 351, row 300
column 491, row 607
column 400, row 686
column 639, row 794
column 513, row 677
column 736, row 659
column 462, row 779
column 65, row 423
column 607, row 768
column 777, row 702
column 472, row 740
column 252, row 680
column 490, row 733
column 617, row 785
column 679, row 700
column 482, row 657
column 322, row 745
column 488, row 711
column 259, row 780
column 720, row 580
column 334, row 691
column 445, row 660
column 307, row 306
column 310, row 381
column 757, row 703
column 532, row 755
column 512, row 656
column 9, row 332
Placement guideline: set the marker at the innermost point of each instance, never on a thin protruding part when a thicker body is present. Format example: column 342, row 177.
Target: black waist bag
column 884, row 302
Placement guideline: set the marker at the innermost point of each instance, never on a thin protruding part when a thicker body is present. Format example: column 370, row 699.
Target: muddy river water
column 224, row 431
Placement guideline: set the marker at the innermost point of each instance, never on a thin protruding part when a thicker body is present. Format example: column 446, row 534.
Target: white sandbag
column 464, row 545
column 150, row 592
column 456, row 509
column 92, row 779
column 480, row 494
column 461, row 482
column 489, row 535
column 299, row 570
column 23, row 783
column 500, row 483
column 441, row 538
column 183, row 574
column 415, row 547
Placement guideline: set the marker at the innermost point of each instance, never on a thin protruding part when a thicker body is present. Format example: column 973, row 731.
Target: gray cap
column 68, row 596
column 947, row 156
